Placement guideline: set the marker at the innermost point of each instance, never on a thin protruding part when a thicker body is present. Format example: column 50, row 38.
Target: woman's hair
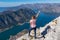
column 33, row 17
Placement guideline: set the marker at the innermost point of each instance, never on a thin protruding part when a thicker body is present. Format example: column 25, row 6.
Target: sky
column 10, row 3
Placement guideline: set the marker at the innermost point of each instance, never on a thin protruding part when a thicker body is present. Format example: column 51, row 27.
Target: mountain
column 19, row 14
column 44, row 7
column 10, row 17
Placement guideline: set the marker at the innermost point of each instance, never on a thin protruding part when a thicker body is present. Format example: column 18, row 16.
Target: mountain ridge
column 44, row 7
column 11, row 18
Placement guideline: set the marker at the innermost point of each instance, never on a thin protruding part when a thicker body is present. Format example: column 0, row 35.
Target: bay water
column 42, row 20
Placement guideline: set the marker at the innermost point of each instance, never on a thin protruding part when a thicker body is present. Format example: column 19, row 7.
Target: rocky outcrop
column 52, row 34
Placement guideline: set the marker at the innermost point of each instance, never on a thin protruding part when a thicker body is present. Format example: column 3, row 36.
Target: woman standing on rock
column 33, row 25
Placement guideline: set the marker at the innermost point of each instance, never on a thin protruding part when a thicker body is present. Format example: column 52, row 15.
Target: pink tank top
column 33, row 23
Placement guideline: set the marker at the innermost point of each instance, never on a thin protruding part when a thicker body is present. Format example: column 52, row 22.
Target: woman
column 33, row 25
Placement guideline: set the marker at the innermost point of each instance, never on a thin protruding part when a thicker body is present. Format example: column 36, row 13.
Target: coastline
column 18, row 34
column 10, row 27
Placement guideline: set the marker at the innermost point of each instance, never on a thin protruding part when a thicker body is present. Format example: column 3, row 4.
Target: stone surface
column 52, row 34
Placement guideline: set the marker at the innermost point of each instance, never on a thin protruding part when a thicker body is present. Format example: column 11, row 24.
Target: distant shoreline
column 8, row 28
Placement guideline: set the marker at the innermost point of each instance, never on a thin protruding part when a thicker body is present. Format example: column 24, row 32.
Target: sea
column 41, row 21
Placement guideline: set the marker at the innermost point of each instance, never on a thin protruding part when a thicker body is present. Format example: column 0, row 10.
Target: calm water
column 41, row 21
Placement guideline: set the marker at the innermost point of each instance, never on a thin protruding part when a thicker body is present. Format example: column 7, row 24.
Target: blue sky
column 10, row 3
